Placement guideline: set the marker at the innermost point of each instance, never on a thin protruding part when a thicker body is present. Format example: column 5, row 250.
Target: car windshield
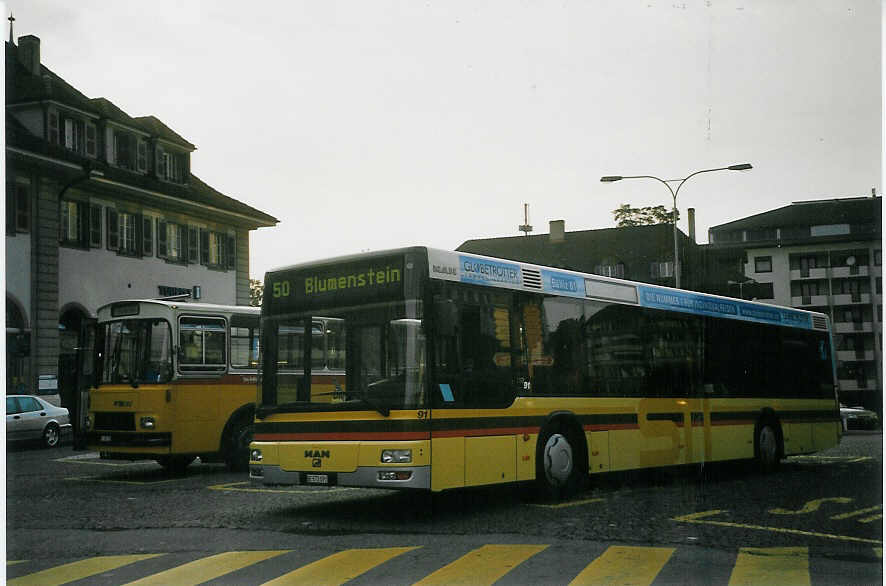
column 375, row 356
column 137, row 351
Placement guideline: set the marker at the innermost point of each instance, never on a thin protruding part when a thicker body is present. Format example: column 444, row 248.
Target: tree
column 625, row 216
column 256, row 292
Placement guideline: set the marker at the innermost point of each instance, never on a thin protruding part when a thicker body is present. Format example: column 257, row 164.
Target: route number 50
column 281, row 289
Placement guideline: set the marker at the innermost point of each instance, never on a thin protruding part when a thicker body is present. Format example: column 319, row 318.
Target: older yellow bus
column 174, row 381
column 462, row 370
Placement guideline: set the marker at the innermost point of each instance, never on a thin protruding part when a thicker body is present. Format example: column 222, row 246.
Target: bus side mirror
column 445, row 317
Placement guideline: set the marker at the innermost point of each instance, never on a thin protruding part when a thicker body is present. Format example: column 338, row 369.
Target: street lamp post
column 674, row 192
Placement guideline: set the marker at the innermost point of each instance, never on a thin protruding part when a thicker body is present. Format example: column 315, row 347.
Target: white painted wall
column 95, row 277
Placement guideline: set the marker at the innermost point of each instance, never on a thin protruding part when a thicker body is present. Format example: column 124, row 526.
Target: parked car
column 858, row 418
column 32, row 418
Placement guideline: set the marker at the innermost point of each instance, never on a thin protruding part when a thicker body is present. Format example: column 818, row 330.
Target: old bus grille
column 114, row 421
column 531, row 278
column 819, row 322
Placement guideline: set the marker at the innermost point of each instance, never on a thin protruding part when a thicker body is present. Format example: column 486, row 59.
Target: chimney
column 29, row 53
column 558, row 231
column 692, row 224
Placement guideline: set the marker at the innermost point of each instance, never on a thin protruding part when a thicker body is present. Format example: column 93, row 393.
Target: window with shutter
column 95, row 225
column 22, row 208
column 204, row 246
column 147, row 236
column 91, row 142
column 113, row 230
column 193, row 245
column 142, row 156
column 161, row 239
column 53, row 127
column 231, row 252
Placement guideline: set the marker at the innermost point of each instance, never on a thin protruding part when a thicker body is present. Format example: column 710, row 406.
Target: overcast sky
column 365, row 125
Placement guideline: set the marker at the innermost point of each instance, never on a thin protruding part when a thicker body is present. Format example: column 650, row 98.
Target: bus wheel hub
column 557, row 459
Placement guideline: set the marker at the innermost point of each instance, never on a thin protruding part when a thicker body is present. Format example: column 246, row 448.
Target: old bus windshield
column 375, row 355
column 137, row 351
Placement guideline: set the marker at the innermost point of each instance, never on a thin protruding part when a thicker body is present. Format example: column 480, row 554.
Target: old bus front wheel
column 237, row 456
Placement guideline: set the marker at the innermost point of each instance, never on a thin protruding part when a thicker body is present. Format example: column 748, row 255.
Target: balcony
column 810, row 300
column 852, row 298
column 854, row 271
column 855, row 355
column 850, row 327
column 852, row 384
column 820, row 273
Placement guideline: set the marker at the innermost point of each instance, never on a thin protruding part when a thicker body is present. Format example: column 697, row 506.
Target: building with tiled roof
column 101, row 206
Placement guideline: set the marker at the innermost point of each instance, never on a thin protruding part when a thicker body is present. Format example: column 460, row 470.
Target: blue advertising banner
column 562, row 283
column 699, row 304
column 484, row 271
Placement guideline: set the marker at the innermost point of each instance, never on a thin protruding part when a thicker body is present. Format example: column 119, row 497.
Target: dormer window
column 171, row 166
column 73, row 133
column 130, row 151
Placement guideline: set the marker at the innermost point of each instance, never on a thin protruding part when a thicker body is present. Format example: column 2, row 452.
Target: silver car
column 32, row 418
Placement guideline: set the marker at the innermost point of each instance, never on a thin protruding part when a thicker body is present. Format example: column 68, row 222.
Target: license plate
column 106, row 439
column 317, row 479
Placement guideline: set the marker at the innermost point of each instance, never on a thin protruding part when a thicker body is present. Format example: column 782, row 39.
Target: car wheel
column 51, row 435
column 175, row 465
column 237, row 457
column 768, row 447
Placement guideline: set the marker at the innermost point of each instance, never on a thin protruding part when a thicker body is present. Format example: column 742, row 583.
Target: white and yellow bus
column 463, row 370
column 174, row 381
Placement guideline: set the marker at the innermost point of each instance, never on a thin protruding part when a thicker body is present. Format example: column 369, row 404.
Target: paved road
column 819, row 517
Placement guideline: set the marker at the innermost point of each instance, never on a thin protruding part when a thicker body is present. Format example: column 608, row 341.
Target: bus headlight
column 396, row 456
column 255, row 456
column 147, row 422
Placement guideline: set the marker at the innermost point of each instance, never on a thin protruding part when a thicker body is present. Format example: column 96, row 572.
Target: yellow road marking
column 869, row 519
column 625, row 565
column 812, row 506
column 81, row 569
column 230, row 487
column 570, row 503
column 209, row 568
column 771, row 565
column 340, row 567
column 857, row 513
column 700, row 518
column 14, row 562
column 113, row 481
column 484, row 565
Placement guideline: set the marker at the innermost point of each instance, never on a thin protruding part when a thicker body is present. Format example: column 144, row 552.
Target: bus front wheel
column 558, row 471
column 237, row 456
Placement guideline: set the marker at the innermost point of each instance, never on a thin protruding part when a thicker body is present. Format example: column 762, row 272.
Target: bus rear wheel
column 558, row 467
column 769, row 448
column 175, row 465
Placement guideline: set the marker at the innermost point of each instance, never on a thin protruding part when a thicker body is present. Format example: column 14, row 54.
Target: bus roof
column 517, row 275
column 182, row 305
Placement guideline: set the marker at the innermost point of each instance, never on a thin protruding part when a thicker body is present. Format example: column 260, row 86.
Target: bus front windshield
column 371, row 355
column 136, row 351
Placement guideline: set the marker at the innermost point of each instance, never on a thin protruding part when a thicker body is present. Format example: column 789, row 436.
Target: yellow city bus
column 463, row 370
column 174, row 381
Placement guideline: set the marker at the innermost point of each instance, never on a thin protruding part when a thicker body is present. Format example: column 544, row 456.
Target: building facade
column 101, row 206
column 825, row 256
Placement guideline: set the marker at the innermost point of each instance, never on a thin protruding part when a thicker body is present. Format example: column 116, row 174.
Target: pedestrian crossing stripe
column 617, row 565
column 80, row 569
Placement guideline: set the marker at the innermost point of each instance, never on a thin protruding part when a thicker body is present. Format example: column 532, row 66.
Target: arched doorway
column 18, row 349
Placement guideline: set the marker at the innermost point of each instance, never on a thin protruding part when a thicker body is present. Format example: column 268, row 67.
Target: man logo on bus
column 317, row 457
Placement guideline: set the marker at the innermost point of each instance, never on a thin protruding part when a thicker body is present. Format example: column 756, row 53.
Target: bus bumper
column 419, row 477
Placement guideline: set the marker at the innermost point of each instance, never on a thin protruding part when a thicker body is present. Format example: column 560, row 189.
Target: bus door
column 474, row 381
column 202, row 362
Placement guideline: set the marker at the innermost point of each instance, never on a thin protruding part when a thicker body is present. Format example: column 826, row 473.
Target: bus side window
column 202, row 344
